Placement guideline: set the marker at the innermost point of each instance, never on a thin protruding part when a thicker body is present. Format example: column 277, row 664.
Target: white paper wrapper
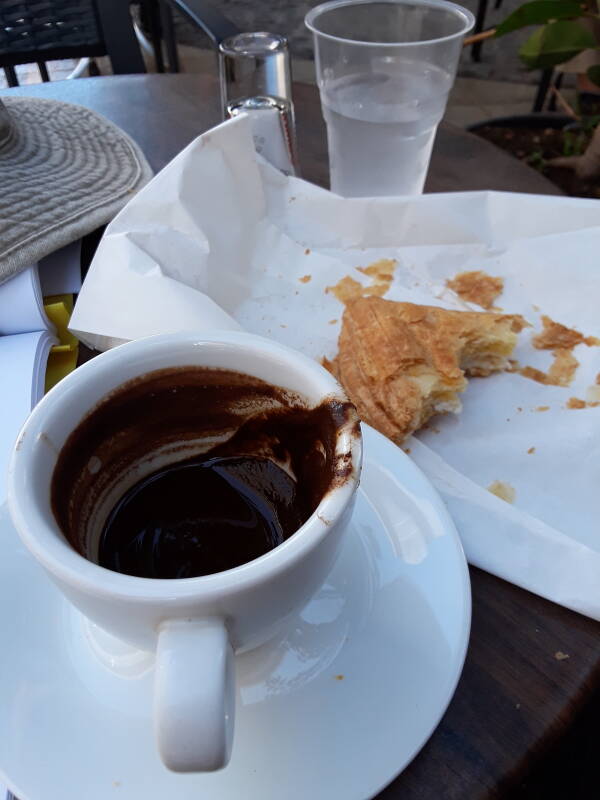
column 221, row 239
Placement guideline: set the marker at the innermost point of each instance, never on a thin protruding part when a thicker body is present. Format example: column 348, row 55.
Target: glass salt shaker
column 256, row 79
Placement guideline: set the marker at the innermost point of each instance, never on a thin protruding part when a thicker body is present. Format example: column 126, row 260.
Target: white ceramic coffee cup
column 194, row 625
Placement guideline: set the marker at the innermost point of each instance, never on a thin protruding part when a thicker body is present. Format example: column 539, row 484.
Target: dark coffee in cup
column 203, row 515
column 190, row 471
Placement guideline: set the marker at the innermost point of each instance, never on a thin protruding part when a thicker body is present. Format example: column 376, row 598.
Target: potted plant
column 565, row 146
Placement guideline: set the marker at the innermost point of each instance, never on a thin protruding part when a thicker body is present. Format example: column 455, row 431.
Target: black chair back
column 36, row 31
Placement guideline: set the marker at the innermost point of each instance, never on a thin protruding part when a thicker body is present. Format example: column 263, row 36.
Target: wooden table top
column 518, row 712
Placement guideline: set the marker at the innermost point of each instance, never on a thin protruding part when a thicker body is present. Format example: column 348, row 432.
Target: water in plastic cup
column 384, row 71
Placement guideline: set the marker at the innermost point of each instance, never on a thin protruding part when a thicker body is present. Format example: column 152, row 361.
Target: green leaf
column 556, row 43
column 537, row 13
column 593, row 74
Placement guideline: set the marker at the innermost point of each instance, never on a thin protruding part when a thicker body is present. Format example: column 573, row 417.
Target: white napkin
column 220, row 238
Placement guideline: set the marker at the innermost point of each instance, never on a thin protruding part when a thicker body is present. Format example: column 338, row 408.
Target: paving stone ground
column 500, row 61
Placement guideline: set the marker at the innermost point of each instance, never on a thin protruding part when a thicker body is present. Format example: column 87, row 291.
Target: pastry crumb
column 305, row 278
column 332, row 321
column 592, row 394
column 477, row 287
column 561, row 372
column 563, row 368
column 307, row 251
column 542, row 408
column 555, row 335
column 282, row 325
column 346, row 289
column 535, row 308
column 339, row 677
column 519, row 409
column 503, row 490
column 533, row 374
column 381, row 272
column 560, row 656
column 593, row 400
column 531, row 450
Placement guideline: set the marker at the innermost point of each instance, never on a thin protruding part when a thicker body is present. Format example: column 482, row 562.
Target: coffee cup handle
column 194, row 695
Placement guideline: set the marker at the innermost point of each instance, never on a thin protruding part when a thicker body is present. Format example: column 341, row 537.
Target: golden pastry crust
column 402, row 363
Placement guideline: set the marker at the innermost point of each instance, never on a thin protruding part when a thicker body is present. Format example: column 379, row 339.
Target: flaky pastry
column 402, row 363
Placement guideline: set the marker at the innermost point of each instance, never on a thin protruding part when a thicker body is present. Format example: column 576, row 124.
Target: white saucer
column 336, row 708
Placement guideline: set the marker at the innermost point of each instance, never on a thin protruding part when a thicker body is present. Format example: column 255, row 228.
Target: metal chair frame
column 105, row 27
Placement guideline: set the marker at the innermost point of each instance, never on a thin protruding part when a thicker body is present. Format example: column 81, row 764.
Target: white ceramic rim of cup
column 464, row 13
column 41, row 534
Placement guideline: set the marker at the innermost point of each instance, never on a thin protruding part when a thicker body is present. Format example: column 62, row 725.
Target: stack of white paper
column 26, row 336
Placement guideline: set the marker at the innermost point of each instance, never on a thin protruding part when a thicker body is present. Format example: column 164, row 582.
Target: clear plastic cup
column 384, row 70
